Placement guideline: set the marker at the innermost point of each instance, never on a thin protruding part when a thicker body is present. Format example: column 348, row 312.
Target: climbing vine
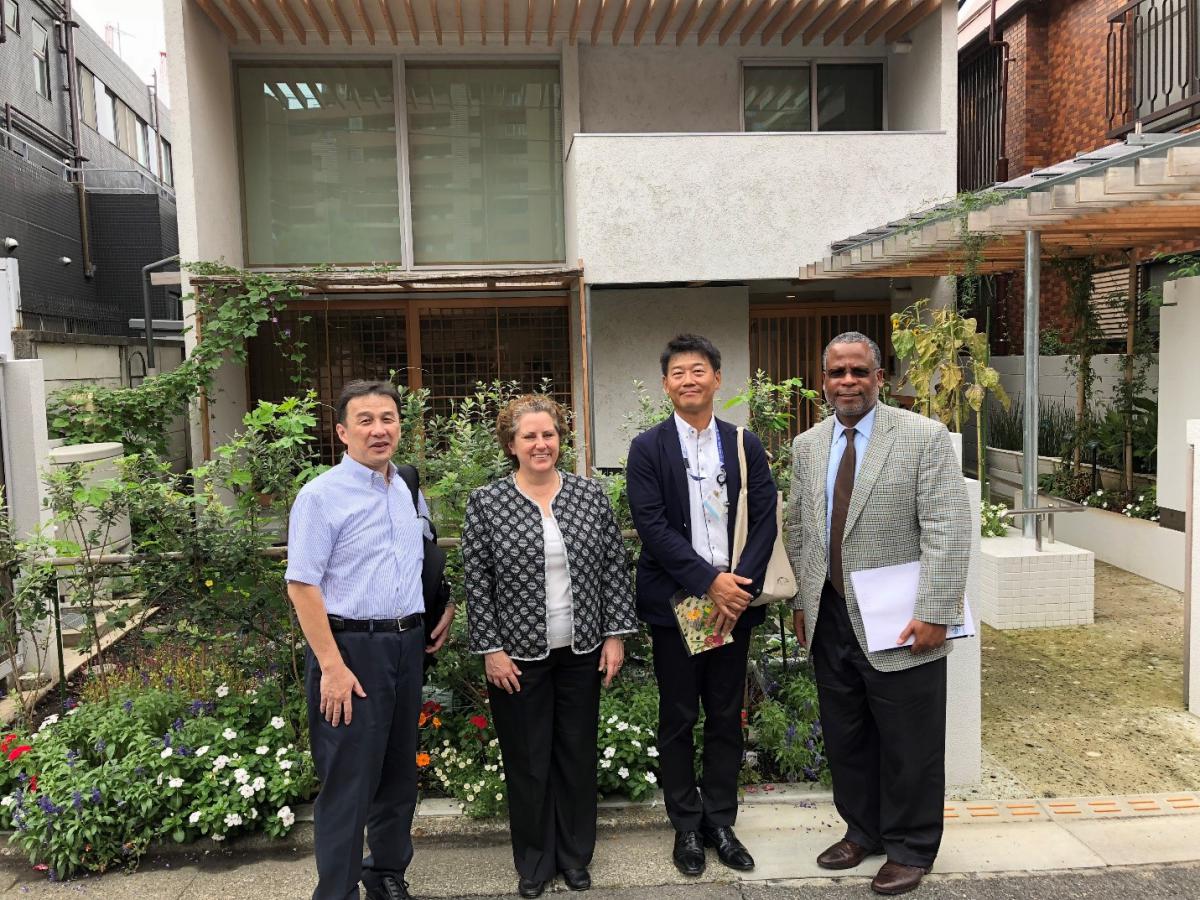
column 228, row 314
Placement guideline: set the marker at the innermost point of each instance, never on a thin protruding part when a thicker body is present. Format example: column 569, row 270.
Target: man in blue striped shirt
column 354, row 575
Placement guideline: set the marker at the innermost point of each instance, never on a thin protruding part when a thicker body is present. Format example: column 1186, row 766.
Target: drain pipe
column 1002, row 159
column 148, row 318
column 69, row 24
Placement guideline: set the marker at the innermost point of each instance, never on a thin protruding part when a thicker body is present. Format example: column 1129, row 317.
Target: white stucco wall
column 23, row 429
column 672, row 207
column 964, row 709
column 1192, row 585
column 1178, row 399
column 630, row 329
column 922, row 84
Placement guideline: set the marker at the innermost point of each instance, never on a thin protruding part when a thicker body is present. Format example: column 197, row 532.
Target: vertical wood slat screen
column 979, row 120
column 787, row 341
column 457, row 344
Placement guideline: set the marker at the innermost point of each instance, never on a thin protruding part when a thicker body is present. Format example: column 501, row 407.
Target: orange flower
column 422, row 760
column 693, row 615
column 422, row 719
column 437, row 723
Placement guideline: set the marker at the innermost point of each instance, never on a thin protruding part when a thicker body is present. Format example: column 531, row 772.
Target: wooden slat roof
column 1133, row 195
column 340, row 281
column 355, row 23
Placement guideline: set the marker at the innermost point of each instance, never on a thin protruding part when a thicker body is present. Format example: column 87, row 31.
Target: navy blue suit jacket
column 657, row 484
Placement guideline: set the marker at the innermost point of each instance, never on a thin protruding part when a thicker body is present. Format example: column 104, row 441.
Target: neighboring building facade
column 88, row 201
column 664, row 166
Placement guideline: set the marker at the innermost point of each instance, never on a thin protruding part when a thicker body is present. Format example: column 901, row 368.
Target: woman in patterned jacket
column 548, row 601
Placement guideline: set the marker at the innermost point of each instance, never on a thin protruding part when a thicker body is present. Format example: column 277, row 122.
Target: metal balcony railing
column 1153, row 65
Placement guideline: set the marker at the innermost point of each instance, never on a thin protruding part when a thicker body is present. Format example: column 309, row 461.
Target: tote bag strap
column 741, row 522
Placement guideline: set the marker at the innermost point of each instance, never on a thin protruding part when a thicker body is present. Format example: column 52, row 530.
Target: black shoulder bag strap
column 433, row 582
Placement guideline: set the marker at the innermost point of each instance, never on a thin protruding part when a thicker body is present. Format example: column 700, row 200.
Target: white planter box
column 1134, row 545
column 1020, row 587
column 1005, row 467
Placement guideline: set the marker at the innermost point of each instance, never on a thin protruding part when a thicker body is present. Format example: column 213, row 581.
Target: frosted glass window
column 319, row 176
column 485, row 154
column 777, row 99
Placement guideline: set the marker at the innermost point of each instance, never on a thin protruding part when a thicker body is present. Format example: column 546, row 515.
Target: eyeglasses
column 856, row 372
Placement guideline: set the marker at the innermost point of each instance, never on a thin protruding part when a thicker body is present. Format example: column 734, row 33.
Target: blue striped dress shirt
column 356, row 535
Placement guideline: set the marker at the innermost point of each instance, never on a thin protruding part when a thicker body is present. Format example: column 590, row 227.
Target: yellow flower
column 208, row 582
column 693, row 614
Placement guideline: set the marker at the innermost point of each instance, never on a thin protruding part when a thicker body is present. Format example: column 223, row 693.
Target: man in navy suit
column 683, row 481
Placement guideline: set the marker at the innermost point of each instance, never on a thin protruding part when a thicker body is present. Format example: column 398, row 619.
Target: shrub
column 994, row 520
column 788, row 729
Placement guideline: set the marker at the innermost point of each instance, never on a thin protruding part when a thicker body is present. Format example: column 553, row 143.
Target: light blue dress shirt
column 356, row 535
column 862, row 436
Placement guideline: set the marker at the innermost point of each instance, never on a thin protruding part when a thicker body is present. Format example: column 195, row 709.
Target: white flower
column 246, row 791
column 286, row 816
column 499, row 796
column 612, row 720
column 470, row 798
column 202, row 750
column 47, row 722
column 158, row 781
column 1099, row 493
column 223, row 691
column 220, row 762
column 175, row 783
column 606, row 763
column 251, row 692
column 277, row 722
column 623, row 772
column 1141, row 499
column 72, row 710
column 262, row 749
column 253, row 813
column 446, row 743
column 232, row 820
column 636, row 743
column 167, row 751
column 610, row 752
column 229, row 734
column 623, row 726
column 652, row 752
column 194, row 818
column 652, row 778
column 7, row 801
column 218, row 837
column 259, row 783
column 241, row 776
column 285, row 764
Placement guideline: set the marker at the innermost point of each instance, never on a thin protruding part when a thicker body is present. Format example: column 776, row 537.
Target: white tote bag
column 780, row 582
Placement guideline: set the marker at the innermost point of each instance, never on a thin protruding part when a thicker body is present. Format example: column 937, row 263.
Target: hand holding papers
column 887, row 599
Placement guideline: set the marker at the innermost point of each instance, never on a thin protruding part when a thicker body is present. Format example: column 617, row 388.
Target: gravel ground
column 1094, row 709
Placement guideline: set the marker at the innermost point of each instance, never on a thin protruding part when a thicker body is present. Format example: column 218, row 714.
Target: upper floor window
column 41, row 59
column 12, row 16
column 87, row 96
column 319, row 164
column 813, row 96
column 168, row 166
column 485, row 163
column 1153, row 66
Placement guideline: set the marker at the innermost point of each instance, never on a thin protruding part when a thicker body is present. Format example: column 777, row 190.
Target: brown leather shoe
column 897, row 878
column 844, row 854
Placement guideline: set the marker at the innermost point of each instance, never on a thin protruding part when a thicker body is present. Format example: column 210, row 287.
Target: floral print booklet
column 693, row 615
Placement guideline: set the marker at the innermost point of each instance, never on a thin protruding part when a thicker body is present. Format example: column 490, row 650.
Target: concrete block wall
column 1021, row 587
column 964, row 710
column 1056, row 382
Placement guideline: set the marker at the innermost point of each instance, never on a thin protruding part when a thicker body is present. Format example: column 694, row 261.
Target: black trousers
column 885, row 735
column 547, row 733
column 368, row 769
column 717, row 679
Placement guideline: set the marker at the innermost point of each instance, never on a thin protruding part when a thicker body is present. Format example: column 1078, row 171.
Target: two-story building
column 86, row 200
column 556, row 187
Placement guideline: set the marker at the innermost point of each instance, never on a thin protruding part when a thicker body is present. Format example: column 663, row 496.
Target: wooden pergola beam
column 411, row 16
column 218, row 18
column 643, row 23
column 318, row 22
column 765, row 10
column 871, row 14
column 806, row 15
column 551, row 24
column 731, row 23
column 826, row 16
column 919, row 13
column 597, row 22
column 293, row 20
column 529, row 23
column 243, row 17
column 688, row 20
column 483, row 22
column 505, row 23
column 780, row 19
column 340, row 18
column 576, row 19
column 366, row 21
column 622, row 18
column 269, row 20
column 388, row 22
column 437, row 21
column 711, row 22
column 458, row 21
column 661, row 31
column 888, row 19
column 842, row 23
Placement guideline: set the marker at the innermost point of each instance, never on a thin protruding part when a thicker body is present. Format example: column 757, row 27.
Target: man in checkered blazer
column 888, row 482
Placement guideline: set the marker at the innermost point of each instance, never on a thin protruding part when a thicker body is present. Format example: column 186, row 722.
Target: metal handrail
column 1047, row 513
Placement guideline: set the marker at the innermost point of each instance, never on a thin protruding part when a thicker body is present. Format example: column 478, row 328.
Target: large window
column 87, row 95
column 41, row 59
column 319, row 164
column 813, row 97
column 485, row 158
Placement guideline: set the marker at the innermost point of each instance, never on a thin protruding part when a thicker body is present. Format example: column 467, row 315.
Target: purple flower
column 47, row 806
column 177, row 724
column 101, row 746
column 274, row 320
column 72, row 755
column 95, row 795
column 77, row 799
column 169, row 681
column 127, row 706
column 167, row 739
column 196, row 708
column 286, row 332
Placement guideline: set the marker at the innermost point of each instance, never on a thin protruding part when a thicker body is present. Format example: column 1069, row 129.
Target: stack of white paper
column 887, row 598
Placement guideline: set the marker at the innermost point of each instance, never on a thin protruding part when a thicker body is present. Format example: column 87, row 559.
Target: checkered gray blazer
column 909, row 503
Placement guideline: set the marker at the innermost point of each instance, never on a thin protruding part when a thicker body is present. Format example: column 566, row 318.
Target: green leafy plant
column 994, row 520
column 788, row 730
column 1142, row 504
column 769, row 407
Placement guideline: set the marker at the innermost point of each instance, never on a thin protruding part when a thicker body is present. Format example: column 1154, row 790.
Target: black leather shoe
column 729, row 848
column 577, row 879
column 527, row 887
column 390, row 887
column 688, row 853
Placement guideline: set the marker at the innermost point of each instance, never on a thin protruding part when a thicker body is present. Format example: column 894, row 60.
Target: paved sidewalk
column 1059, row 841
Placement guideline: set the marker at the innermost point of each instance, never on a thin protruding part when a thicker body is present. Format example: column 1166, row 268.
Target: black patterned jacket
column 504, row 562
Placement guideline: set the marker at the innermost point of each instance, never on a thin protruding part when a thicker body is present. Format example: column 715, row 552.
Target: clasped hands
column 730, row 599
column 503, row 673
column 926, row 635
